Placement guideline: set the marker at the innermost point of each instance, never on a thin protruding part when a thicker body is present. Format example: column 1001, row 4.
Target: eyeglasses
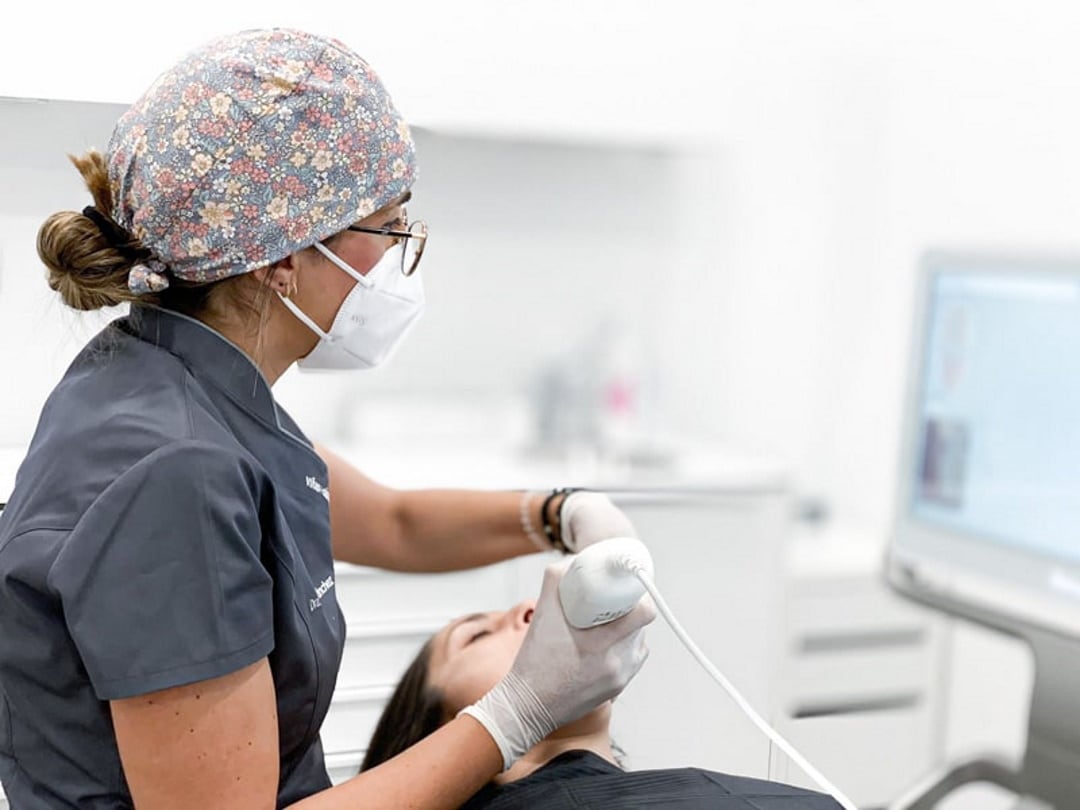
column 414, row 236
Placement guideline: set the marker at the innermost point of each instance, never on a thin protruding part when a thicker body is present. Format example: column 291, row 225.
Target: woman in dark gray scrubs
column 169, row 634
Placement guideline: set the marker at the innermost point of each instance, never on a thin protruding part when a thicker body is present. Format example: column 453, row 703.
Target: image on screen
column 999, row 411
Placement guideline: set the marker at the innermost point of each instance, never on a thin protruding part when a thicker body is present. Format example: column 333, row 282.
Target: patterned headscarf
column 255, row 146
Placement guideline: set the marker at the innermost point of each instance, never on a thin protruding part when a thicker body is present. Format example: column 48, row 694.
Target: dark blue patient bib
column 581, row 780
column 169, row 524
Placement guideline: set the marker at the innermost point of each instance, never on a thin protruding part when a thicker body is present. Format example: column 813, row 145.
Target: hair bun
column 88, row 256
column 86, row 271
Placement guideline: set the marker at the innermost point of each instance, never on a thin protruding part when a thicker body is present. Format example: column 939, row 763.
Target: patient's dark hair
column 414, row 711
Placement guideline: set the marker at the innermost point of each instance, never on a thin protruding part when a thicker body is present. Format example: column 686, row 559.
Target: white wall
column 38, row 335
column 982, row 154
column 629, row 71
column 872, row 137
column 780, row 166
column 533, row 246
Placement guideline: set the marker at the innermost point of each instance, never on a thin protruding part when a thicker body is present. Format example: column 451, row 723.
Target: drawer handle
column 873, row 639
column 406, row 629
column 360, row 694
column 888, row 703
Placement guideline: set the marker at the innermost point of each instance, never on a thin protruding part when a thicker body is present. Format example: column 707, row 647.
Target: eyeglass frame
column 399, row 234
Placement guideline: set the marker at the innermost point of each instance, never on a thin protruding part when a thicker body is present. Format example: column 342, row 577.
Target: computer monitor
column 987, row 519
column 989, row 498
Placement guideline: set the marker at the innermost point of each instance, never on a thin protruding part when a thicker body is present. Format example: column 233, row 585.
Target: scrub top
column 169, row 524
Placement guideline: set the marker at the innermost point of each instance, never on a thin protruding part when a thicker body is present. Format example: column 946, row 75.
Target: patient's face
column 472, row 654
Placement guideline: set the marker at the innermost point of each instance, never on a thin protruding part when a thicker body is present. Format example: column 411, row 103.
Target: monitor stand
column 1050, row 769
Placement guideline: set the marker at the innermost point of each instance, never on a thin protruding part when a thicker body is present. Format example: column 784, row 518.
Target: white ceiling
column 629, row 70
column 611, row 70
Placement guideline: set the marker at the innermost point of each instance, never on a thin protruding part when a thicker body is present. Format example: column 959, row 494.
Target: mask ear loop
column 341, row 263
column 299, row 313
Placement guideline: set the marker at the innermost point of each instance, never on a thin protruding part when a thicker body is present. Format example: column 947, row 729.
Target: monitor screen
column 989, row 508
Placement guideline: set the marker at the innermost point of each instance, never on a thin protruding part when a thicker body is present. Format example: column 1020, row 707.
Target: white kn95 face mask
column 372, row 320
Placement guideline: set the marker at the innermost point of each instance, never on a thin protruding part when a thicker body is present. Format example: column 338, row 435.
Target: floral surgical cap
column 255, row 146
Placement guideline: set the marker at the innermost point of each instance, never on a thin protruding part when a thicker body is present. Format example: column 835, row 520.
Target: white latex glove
column 560, row 673
column 589, row 517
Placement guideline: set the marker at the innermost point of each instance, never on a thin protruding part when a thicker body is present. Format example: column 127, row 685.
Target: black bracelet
column 553, row 529
column 550, row 533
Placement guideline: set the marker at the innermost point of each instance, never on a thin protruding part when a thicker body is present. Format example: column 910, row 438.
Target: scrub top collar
column 209, row 355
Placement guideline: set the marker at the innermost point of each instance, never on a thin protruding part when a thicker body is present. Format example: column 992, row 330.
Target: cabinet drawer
column 366, row 595
column 352, row 718
column 377, row 655
column 895, row 676
column 872, row 756
column 852, row 608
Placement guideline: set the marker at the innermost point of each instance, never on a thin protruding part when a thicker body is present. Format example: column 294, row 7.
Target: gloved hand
column 560, row 673
column 589, row 517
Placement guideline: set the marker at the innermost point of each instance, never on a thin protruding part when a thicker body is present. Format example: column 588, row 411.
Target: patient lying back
column 575, row 766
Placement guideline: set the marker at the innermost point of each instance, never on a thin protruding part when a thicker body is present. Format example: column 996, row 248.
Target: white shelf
column 450, row 465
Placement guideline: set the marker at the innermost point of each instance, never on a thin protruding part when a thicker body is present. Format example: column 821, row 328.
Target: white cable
column 765, row 728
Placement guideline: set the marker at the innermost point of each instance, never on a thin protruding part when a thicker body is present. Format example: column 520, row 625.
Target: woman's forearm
column 442, row 530
column 441, row 771
column 446, row 530
column 423, row 530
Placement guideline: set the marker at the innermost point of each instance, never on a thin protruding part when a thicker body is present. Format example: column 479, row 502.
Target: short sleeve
column 161, row 580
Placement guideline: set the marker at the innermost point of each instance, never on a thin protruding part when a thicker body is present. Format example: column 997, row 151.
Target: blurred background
column 672, row 245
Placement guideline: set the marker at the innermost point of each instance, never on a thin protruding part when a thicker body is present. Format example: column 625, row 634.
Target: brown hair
column 90, row 271
column 414, row 711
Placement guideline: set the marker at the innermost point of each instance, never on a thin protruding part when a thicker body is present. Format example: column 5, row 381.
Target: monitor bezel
column 963, row 573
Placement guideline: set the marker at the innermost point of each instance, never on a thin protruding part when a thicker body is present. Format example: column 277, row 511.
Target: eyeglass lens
column 414, row 247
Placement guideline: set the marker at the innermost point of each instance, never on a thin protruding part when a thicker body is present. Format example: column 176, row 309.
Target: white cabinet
column 862, row 676
column 717, row 560
column 717, row 550
column 863, row 673
column 877, row 691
